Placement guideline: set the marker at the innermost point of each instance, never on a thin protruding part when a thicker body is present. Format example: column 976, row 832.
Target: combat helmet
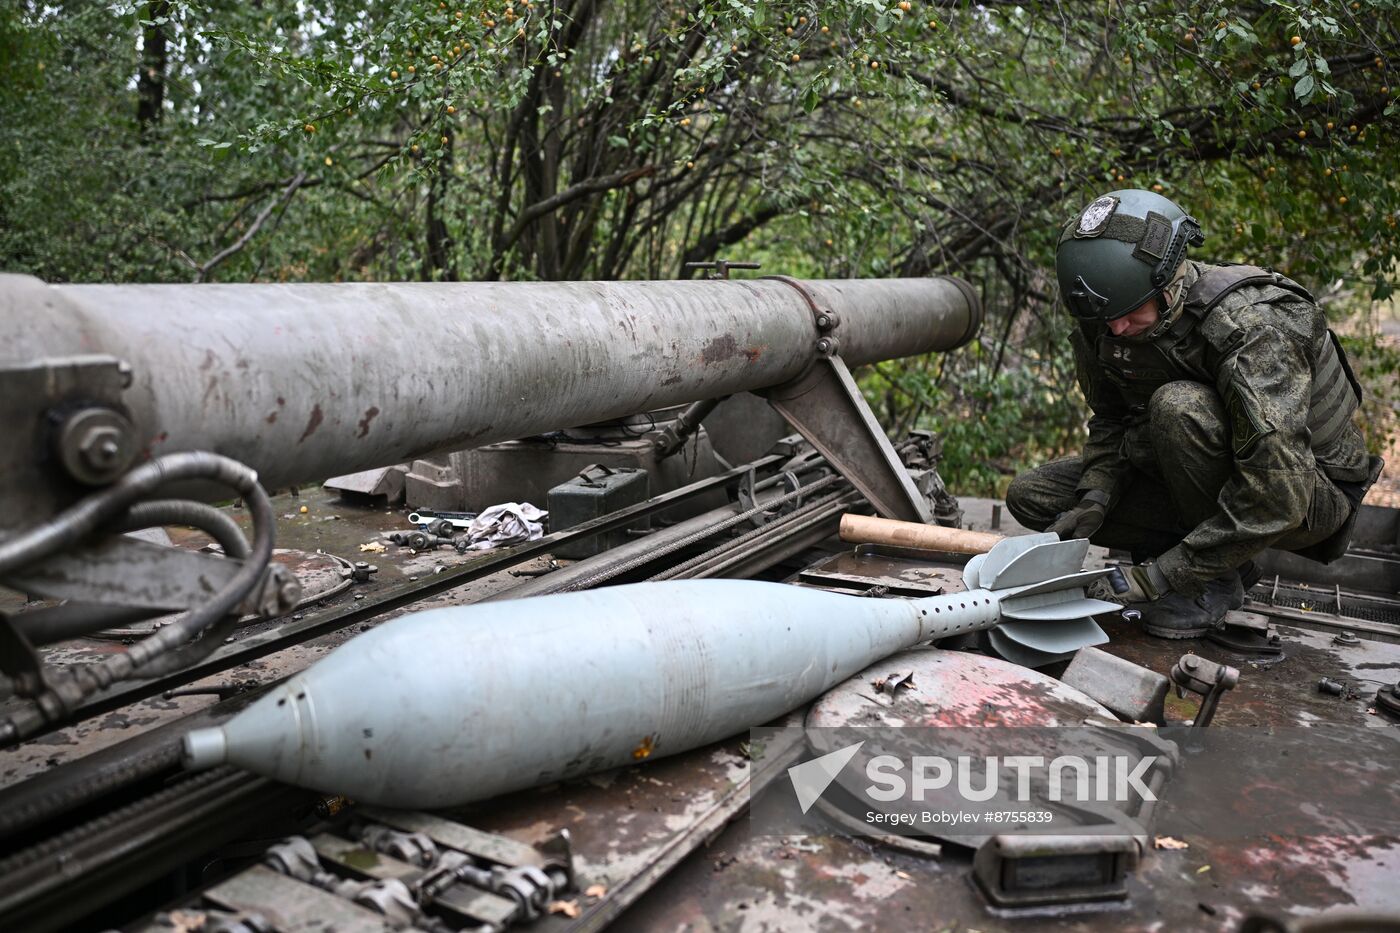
column 1120, row 251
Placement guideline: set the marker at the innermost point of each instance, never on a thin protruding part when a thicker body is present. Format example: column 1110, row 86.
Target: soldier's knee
column 1018, row 496
column 1033, row 500
column 1184, row 402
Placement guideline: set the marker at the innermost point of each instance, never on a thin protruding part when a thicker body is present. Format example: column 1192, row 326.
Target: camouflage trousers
column 1179, row 461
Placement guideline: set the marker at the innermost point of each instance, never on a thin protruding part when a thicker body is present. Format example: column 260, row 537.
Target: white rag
column 505, row 524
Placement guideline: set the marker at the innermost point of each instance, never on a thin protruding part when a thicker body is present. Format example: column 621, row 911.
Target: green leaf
column 1304, row 87
column 1299, row 67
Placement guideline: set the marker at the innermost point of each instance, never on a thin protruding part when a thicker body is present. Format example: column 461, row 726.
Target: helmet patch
column 1095, row 218
column 1156, row 239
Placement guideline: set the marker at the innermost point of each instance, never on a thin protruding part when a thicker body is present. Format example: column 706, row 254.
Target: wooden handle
column 866, row 529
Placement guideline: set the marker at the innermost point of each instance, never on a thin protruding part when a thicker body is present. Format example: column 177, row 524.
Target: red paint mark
column 312, row 423
column 753, row 353
column 272, row 418
column 370, row 412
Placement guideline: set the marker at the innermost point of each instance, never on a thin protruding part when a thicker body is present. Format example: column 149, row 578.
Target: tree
column 343, row 139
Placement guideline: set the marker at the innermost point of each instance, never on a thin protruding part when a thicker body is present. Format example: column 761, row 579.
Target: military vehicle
column 207, row 490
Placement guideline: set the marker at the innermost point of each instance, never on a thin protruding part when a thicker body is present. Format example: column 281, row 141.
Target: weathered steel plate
column 293, row 907
column 911, row 577
column 953, row 688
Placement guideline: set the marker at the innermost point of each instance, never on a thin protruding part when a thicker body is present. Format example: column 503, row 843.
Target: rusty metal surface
column 299, row 908
column 328, row 525
column 900, row 576
column 655, row 837
column 745, row 882
column 629, row 826
column 953, row 689
column 753, row 883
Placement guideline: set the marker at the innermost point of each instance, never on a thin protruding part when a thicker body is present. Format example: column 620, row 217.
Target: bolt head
column 100, row 447
column 95, row 445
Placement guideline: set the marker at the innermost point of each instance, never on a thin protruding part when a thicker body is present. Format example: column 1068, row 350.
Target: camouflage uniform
column 1227, row 434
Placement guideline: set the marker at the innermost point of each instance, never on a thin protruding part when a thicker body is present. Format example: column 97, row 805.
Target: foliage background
column 336, row 140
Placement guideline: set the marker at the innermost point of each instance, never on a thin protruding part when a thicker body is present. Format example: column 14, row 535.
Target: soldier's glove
column 1140, row 583
column 1084, row 519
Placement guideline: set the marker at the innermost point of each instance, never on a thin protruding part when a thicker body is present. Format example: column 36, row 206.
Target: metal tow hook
column 1206, row 678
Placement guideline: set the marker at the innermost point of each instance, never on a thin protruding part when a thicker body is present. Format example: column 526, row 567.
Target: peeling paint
column 312, row 423
column 370, row 414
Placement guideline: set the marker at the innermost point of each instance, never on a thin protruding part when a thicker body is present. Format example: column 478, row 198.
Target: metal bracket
column 1206, row 678
column 1049, row 870
column 1246, row 633
column 60, row 416
column 748, row 498
column 125, row 571
column 826, row 407
column 826, row 320
column 19, row 662
column 673, row 437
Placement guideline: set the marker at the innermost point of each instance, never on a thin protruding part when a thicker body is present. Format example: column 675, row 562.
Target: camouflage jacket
column 1267, row 352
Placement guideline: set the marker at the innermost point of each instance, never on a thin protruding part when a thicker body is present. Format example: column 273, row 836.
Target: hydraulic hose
column 72, row 685
column 74, row 619
column 160, row 512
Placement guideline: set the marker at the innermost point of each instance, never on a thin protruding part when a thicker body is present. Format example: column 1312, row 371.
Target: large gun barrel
column 303, row 381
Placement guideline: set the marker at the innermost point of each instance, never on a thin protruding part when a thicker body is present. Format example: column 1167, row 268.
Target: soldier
column 1221, row 416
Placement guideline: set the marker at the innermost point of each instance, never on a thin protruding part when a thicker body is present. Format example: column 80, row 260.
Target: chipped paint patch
column 370, row 414
column 312, row 423
column 871, row 880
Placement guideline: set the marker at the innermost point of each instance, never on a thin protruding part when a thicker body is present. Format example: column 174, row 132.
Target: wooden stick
column 866, row 529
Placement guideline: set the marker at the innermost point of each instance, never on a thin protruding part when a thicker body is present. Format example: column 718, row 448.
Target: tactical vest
column 1139, row 368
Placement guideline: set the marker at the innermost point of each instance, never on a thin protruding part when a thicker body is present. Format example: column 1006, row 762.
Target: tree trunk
column 150, row 83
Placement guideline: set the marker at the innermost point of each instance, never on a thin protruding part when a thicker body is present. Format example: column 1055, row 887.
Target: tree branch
column 202, row 274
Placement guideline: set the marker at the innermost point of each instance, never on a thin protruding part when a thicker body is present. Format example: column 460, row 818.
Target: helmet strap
column 1171, row 300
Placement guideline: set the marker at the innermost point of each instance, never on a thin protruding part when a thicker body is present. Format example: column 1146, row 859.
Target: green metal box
column 596, row 491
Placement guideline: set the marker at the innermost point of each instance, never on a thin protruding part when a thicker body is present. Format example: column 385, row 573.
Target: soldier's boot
column 1179, row 616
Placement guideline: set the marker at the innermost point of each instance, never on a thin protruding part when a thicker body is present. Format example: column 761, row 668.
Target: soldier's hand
column 1081, row 521
column 1143, row 583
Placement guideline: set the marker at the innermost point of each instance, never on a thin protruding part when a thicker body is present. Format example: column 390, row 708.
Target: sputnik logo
column 811, row 778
